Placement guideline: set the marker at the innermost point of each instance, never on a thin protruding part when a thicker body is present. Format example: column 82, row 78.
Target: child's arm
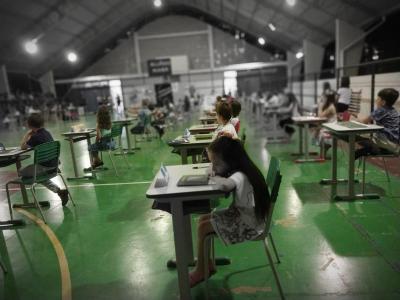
column 25, row 139
column 98, row 133
column 365, row 120
column 224, row 184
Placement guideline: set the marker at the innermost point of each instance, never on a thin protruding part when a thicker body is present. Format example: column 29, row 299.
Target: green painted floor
column 117, row 247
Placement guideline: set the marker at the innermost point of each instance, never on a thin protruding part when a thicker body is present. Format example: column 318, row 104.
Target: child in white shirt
column 224, row 115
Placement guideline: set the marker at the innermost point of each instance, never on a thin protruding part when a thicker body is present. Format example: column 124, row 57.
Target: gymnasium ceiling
column 90, row 26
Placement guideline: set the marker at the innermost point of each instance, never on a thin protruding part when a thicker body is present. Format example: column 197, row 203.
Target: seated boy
column 35, row 136
column 384, row 115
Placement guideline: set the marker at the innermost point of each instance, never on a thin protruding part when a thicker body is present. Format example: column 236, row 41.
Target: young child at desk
column 326, row 110
column 103, row 128
column 224, row 115
column 384, row 115
column 236, row 108
column 38, row 135
column 244, row 219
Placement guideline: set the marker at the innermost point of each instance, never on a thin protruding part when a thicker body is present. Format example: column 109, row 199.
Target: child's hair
column 326, row 86
column 345, row 82
column 330, row 99
column 233, row 154
column 145, row 102
column 389, row 96
column 236, row 108
column 35, row 121
column 224, row 110
column 103, row 118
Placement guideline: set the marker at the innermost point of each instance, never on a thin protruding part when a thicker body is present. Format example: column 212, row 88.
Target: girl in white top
column 232, row 170
column 225, row 127
column 343, row 95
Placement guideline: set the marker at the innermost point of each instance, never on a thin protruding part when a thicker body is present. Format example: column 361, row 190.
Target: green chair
column 273, row 179
column 116, row 134
column 42, row 154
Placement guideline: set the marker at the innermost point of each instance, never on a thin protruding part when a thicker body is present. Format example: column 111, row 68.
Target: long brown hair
column 234, row 155
column 103, row 118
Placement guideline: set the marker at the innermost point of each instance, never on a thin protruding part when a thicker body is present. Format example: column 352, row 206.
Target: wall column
column 4, row 86
column 313, row 55
column 47, row 83
column 345, row 35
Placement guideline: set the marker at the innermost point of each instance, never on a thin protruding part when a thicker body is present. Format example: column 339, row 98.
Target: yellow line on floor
column 62, row 259
column 90, row 185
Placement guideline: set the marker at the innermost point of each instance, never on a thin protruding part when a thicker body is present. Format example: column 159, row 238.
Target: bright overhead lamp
column 157, row 3
column 291, row 2
column 261, row 41
column 299, row 54
column 332, row 57
column 375, row 57
column 72, row 57
column 31, row 47
column 271, row 27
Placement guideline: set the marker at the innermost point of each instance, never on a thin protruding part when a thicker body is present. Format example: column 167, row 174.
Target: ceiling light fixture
column 271, row 27
column 72, row 57
column 299, row 54
column 291, row 2
column 261, row 41
column 31, row 46
column 157, row 3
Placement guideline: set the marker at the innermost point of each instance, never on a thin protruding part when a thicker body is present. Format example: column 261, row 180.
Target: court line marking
column 66, row 293
column 89, row 185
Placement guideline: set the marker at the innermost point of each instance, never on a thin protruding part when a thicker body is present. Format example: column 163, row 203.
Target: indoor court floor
column 112, row 245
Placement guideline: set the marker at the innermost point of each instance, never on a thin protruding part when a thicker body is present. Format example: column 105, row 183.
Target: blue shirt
column 389, row 118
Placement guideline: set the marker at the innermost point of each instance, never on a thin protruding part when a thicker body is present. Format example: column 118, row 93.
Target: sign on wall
column 159, row 67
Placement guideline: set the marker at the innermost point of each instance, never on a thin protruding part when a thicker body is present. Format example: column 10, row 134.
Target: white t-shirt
column 244, row 201
column 234, row 121
column 344, row 95
column 229, row 128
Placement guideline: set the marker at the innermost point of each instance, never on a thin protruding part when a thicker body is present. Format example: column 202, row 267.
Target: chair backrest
column 355, row 102
column 46, row 152
column 116, row 130
column 274, row 179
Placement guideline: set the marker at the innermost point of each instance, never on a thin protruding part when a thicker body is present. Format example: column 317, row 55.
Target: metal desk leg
column 180, row 252
column 89, row 143
column 300, row 153
column 352, row 139
column 306, row 151
column 334, row 180
column 22, row 186
column 351, row 194
column 71, row 145
column 184, row 156
column 128, row 140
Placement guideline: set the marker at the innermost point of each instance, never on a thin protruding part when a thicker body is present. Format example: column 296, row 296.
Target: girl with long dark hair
column 244, row 219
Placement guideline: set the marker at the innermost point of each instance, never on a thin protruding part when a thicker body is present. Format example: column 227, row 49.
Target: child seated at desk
column 224, row 115
column 387, row 140
column 244, row 219
column 38, row 135
column 235, row 108
column 103, row 128
column 326, row 110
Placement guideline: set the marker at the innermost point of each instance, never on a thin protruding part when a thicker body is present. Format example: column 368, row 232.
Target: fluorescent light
column 271, row 27
column 332, row 57
column 291, row 2
column 157, row 3
column 31, row 47
column 299, row 54
column 72, row 57
column 375, row 57
column 261, row 41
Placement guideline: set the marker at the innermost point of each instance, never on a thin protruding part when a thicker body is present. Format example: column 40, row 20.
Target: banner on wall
column 159, row 67
column 164, row 94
